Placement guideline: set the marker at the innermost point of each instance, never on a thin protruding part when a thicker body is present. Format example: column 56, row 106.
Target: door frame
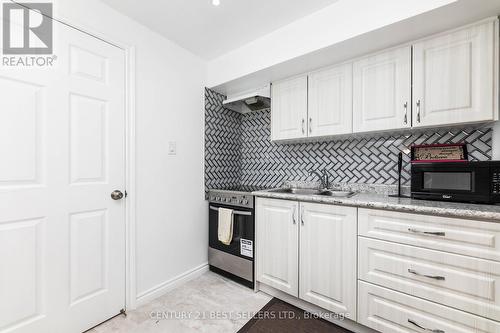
column 130, row 292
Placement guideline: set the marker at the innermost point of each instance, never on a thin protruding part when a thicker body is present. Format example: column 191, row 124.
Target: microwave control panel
column 495, row 181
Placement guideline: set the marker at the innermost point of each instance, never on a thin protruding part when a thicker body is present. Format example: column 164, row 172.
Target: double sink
column 310, row 191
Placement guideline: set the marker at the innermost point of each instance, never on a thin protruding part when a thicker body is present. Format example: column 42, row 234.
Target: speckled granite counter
column 380, row 201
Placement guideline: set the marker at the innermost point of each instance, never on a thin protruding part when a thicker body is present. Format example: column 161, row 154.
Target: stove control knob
column 245, row 202
column 217, row 198
column 228, row 199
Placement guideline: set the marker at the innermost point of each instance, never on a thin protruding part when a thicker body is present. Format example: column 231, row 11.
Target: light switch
column 172, row 148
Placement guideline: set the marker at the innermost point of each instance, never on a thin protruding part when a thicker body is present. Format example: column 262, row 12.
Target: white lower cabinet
column 389, row 311
column 323, row 237
column 328, row 256
column 277, row 246
column 462, row 282
column 399, row 273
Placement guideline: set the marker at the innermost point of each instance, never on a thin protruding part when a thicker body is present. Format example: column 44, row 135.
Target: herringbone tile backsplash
column 239, row 151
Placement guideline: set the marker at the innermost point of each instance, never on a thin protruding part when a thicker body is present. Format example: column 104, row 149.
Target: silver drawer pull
column 435, row 277
column 418, row 111
column 430, row 233
column 413, row 322
column 236, row 212
column 406, row 112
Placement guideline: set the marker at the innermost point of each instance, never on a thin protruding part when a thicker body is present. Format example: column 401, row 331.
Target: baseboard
column 346, row 323
column 164, row 287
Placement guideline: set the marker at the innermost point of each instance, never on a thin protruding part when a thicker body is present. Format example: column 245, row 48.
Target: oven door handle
column 236, row 212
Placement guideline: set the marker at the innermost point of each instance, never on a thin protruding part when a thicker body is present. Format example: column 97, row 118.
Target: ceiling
column 210, row 31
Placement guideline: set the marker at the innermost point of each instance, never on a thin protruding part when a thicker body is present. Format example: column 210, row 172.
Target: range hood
column 255, row 100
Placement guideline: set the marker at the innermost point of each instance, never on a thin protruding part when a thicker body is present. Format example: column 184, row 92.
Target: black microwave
column 477, row 182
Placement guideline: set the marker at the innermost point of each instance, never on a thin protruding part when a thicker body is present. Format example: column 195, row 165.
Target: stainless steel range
column 235, row 260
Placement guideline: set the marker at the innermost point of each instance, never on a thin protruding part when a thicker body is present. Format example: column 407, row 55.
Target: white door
column 330, row 101
column 289, row 109
column 62, row 237
column 328, row 257
column 277, row 244
column 382, row 90
column 454, row 77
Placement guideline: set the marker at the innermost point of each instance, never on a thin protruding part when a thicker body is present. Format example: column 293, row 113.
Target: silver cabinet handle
column 430, row 233
column 303, row 126
column 294, row 211
column 406, row 113
column 435, row 277
column 418, row 111
column 413, row 322
column 310, row 125
column 302, row 216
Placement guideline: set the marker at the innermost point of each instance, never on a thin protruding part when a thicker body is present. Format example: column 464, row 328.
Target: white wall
column 338, row 22
column 171, row 211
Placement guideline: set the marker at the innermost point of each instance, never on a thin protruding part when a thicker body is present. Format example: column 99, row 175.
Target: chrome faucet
column 323, row 176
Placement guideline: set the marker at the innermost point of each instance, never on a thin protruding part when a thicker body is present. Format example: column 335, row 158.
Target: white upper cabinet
column 327, row 257
column 444, row 80
column 289, row 109
column 330, row 101
column 277, row 245
column 382, row 90
column 454, row 77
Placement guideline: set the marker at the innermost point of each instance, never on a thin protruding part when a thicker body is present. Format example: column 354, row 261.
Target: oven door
column 242, row 244
column 465, row 182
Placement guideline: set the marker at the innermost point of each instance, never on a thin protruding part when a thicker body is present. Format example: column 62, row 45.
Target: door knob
column 116, row 195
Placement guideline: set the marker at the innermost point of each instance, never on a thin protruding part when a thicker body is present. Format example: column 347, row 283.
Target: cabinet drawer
column 466, row 283
column 468, row 237
column 392, row 312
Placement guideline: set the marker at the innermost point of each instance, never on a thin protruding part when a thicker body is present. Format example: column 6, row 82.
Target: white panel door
column 328, row 256
column 330, row 101
column 454, row 77
column 289, row 109
column 62, row 237
column 277, row 244
column 382, row 91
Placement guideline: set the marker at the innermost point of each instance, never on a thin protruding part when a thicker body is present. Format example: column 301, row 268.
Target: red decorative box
column 455, row 152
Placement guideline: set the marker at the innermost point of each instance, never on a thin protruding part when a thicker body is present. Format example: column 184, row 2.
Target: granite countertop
column 381, row 201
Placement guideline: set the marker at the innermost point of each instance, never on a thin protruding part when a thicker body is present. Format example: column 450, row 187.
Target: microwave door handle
column 236, row 212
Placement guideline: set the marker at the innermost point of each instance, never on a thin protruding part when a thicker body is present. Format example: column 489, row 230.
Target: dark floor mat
column 278, row 316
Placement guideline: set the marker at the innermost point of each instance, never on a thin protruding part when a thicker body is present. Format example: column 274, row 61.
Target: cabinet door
column 289, row 109
column 328, row 257
column 277, row 244
column 382, row 90
column 330, row 101
column 454, row 77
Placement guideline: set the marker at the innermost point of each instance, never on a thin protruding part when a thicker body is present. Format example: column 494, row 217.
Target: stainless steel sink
column 338, row 194
column 310, row 191
column 304, row 191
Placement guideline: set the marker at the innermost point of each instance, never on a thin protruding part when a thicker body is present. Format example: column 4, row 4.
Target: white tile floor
column 213, row 303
